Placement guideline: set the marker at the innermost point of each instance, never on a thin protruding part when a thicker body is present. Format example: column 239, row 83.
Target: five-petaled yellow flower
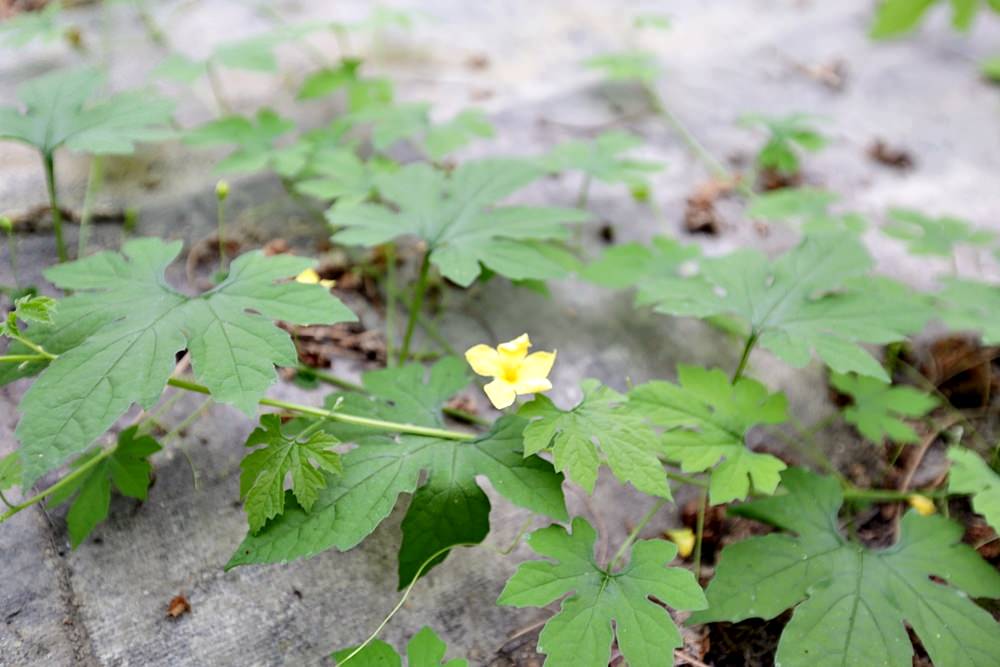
column 513, row 370
column 923, row 504
column 310, row 277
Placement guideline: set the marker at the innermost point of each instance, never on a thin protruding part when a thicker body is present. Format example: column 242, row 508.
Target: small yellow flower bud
column 221, row 190
column 923, row 504
column 684, row 539
column 6, row 225
column 310, row 277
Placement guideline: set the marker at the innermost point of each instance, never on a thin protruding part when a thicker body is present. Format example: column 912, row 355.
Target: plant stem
column 8, row 227
column 216, row 85
column 50, row 181
column 21, row 358
column 402, row 599
column 660, row 502
column 687, row 479
column 34, row 346
column 380, row 424
column 415, row 306
column 62, row 483
column 221, row 193
column 390, row 303
column 581, row 198
column 699, row 533
column 94, row 179
column 745, row 357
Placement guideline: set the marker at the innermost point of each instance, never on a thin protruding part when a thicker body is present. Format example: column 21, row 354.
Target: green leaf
column 127, row 469
column 850, row 602
column 56, row 113
column 877, row 407
column 255, row 141
column 10, row 471
column 810, row 207
column 424, row 650
column 448, row 509
column 707, row 420
column 787, row 135
column 933, row 236
column 392, row 123
column 580, row 634
column 458, row 217
column 602, row 159
column 28, row 26
column 816, row 298
column 896, row 17
column 627, row 264
column 600, row 429
column 966, row 305
column 342, row 176
column 135, row 323
column 970, row 474
column 176, row 67
column 381, row 468
column 331, row 79
column 450, row 136
column 35, row 309
column 626, row 66
column 263, row 471
column 256, row 53
column 990, row 68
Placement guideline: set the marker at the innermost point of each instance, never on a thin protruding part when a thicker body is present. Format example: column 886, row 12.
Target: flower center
column 510, row 374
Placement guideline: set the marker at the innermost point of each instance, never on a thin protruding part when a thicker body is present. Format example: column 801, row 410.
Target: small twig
column 687, row 657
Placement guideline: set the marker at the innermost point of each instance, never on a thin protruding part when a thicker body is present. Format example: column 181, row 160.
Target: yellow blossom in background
column 513, row 370
column 310, row 277
column 684, row 539
column 923, row 504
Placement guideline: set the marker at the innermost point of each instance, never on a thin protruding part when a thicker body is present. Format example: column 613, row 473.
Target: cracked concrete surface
column 105, row 603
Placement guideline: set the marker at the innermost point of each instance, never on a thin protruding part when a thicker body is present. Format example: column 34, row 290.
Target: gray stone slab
column 105, row 603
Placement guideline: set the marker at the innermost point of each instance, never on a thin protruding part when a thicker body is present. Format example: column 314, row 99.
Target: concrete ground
column 105, row 603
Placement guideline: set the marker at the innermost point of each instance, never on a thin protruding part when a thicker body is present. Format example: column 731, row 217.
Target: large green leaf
column 970, row 474
column 968, row 305
column 458, row 217
column 810, row 207
column 636, row 264
column 302, row 458
column 602, row 159
column 127, row 469
column 925, row 235
column 878, row 407
column 602, row 418
column 425, row 649
column 449, row 509
column 57, row 113
column 254, row 139
column 603, row 604
column 707, row 420
column 816, row 298
column 850, row 603
column 135, row 323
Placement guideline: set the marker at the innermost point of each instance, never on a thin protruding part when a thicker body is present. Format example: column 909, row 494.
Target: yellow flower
column 923, row 504
column 513, row 370
column 310, row 277
column 684, row 539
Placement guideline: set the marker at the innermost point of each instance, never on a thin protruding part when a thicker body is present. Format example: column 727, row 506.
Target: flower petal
column 536, row 366
column 532, row 386
column 500, row 393
column 308, row 277
column 513, row 351
column 484, row 360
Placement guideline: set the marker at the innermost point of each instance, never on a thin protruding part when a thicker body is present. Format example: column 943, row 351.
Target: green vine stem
column 745, row 357
column 344, row 418
column 95, row 178
column 390, row 304
column 50, row 181
column 62, row 483
column 657, row 506
column 7, row 227
column 21, row 358
column 403, row 598
column 221, row 193
column 415, row 306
